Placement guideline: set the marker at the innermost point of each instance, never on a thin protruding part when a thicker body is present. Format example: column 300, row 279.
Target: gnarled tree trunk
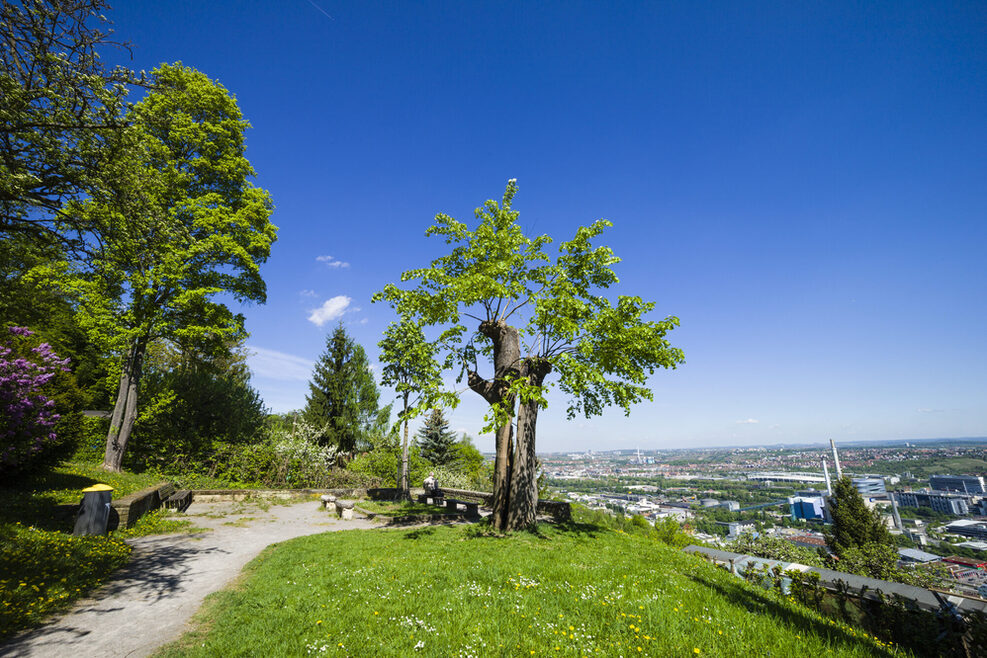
column 125, row 409
column 507, row 357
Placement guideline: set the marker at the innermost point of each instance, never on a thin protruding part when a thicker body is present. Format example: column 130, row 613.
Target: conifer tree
column 854, row 526
column 436, row 441
column 342, row 394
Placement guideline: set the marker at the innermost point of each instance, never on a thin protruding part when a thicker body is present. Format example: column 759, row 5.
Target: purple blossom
column 27, row 415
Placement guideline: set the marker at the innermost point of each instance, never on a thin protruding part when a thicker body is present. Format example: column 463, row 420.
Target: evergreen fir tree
column 436, row 440
column 342, row 394
column 854, row 526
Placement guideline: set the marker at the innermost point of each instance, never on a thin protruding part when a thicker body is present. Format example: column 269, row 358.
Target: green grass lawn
column 406, row 508
column 43, row 568
column 451, row 591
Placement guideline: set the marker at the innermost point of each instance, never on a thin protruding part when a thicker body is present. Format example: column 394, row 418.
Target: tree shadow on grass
column 418, row 533
column 738, row 593
column 156, row 573
column 579, row 529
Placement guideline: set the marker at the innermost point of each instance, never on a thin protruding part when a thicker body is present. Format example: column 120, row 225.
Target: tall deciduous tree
column 410, row 367
column 435, row 439
column 59, row 106
column 342, row 393
column 533, row 316
column 853, row 525
column 179, row 223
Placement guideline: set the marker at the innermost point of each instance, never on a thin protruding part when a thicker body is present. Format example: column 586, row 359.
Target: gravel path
column 149, row 602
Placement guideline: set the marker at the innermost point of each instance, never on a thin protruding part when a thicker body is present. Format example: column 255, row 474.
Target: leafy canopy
column 178, row 220
column 495, row 274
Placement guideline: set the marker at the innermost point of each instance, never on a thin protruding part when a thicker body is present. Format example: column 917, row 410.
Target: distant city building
column 947, row 503
column 731, row 505
column 775, row 476
column 968, row 528
column 709, row 502
column 915, row 556
column 736, row 528
column 967, row 562
column 806, row 507
column 868, row 486
column 971, row 484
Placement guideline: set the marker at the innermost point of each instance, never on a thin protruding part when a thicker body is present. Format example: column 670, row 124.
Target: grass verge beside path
column 406, row 508
column 450, row 591
column 43, row 568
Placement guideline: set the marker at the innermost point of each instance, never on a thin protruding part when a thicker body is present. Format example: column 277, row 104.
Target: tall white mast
column 836, row 460
column 829, row 485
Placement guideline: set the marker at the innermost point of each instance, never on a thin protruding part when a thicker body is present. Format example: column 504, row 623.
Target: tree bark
column 405, row 485
column 507, row 356
column 125, row 409
column 524, row 485
column 524, row 478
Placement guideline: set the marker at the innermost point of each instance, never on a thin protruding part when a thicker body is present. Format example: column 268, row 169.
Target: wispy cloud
column 924, row 410
column 278, row 365
column 308, row 293
column 331, row 262
column 749, row 421
column 330, row 310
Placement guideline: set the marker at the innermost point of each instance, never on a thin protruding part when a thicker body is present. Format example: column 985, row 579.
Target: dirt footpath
column 149, row 602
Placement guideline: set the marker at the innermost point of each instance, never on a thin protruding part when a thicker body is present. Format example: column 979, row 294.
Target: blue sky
column 803, row 184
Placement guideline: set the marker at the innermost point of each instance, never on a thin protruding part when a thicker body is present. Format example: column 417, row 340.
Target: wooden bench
column 472, row 509
column 451, row 504
column 180, row 500
column 432, row 499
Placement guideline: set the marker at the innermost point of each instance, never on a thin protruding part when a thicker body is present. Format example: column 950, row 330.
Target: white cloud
column 278, row 365
column 330, row 310
column 749, row 421
column 331, row 262
column 925, row 410
column 308, row 293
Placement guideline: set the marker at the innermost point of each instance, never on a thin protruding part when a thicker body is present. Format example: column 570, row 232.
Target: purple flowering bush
column 29, row 381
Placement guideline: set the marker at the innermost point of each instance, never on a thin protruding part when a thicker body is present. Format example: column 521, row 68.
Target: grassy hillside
column 450, row 591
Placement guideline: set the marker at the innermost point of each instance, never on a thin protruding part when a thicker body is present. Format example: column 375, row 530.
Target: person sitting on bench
column 432, row 486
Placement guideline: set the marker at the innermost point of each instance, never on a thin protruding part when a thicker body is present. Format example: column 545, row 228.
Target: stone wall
column 130, row 508
column 222, row 495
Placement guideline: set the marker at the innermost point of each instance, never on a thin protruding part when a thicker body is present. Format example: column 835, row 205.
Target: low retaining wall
column 222, row 495
column 130, row 508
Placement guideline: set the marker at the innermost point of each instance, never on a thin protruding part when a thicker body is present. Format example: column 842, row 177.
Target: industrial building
column 969, row 484
column 947, row 503
column 968, row 528
column 869, row 486
column 806, row 507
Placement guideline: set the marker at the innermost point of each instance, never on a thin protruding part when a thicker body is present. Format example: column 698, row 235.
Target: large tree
column 532, row 316
column 179, row 223
column 342, row 393
column 410, row 367
column 60, row 105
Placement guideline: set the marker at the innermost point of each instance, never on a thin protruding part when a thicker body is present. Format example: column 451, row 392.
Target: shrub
column 187, row 412
column 384, row 464
column 288, row 457
column 35, row 386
